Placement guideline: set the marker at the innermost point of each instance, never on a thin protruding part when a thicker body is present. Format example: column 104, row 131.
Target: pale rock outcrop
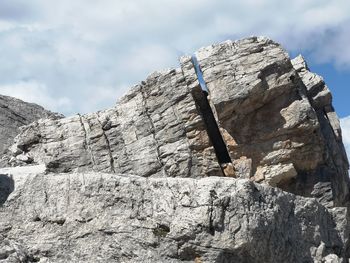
column 98, row 217
column 154, row 130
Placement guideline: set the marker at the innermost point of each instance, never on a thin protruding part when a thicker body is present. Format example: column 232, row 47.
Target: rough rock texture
column 98, row 217
column 15, row 113
column 276, row 121
column 155, row 130
column 335, row 165
column 171, row 172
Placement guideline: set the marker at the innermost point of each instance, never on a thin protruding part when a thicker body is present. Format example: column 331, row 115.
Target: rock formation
column 15, row 113
column 170, row 173
column 277, row 124
column 98, row 217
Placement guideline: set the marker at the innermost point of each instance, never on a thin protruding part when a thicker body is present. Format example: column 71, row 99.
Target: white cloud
column 36, row 93
column 74, row 48
column 5, row 25
column 345, row 125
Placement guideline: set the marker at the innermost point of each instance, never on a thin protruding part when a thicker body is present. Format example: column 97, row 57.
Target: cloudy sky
column 81, row 55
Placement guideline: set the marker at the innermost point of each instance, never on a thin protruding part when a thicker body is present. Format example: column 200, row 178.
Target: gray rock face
column 15, row 113
column 334, row 168
column 277, row 119
column 97, row 217
column 155, row 130
column 277, row 124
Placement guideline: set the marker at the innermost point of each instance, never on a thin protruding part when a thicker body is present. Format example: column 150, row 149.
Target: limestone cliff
column 170, row 173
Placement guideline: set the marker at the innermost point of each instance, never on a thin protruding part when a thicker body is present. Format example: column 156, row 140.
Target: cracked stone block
column 266, row 110
column 273, row 110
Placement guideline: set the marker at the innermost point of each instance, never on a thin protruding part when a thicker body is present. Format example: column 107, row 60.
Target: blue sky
column 81, row 55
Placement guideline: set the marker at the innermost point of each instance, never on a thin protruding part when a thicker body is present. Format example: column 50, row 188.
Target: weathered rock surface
column 155, row 130
column 98, row 217
column 171, row 172
column 276, row 123
column 334, row 167
column 15, row 113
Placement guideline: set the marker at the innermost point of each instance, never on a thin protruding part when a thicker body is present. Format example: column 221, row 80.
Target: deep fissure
column 200, row 96
column 108, row 144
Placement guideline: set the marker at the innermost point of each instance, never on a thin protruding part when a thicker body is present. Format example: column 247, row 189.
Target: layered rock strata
column 276, row 121
column 154, row 130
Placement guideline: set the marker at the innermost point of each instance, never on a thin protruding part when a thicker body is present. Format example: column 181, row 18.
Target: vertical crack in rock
column 153, row 129
column 108, row 144
column 86, row 141
column 213, row 196
column 215, row 136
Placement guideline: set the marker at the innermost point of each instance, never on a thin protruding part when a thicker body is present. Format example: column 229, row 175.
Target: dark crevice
column 7, row 186
column 86, row 141
column 161, row 230
column 200, row 96
column 213, row 196
column 104, row 127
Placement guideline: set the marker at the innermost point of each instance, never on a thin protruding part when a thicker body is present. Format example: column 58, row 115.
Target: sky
column 80, row 56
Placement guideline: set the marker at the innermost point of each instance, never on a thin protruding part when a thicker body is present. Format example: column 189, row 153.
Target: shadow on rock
column 7, row 186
